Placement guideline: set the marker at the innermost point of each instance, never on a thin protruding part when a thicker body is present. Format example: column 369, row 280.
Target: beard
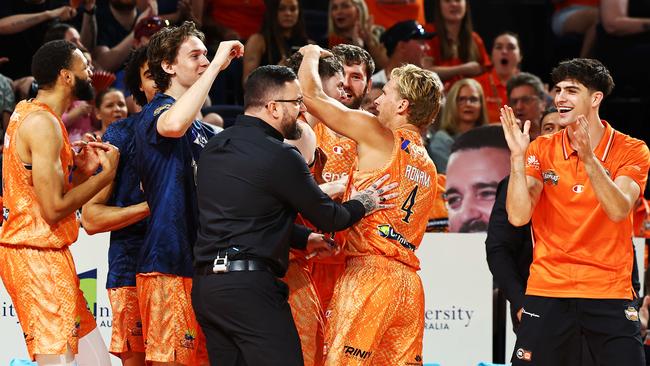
column 473, row 226
column 292, row 131
column 354, row 102
column 83, row 89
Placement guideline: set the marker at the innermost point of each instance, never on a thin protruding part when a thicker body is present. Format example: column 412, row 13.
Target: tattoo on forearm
column 366, row 200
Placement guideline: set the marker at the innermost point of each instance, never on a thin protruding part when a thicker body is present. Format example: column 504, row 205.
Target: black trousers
column 246, row 319
column 554, row 331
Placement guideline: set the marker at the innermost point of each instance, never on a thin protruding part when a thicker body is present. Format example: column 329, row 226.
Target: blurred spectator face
column 190, row 62
column 571, row 100
column 344, row 14
column 505, row 54
column 369, row 101
column 333, row 87
column 526, row 104
column 414, row 50
column 472, row 179
column 355, row 84
column 112, row 107
column 469, row 105
column 551, row 123
column 453, row 10
column 123, row 4
column 288, row 14
column 72, row 36
column 147, row 84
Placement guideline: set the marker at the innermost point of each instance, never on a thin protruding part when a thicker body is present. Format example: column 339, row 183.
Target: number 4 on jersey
column 408, row 204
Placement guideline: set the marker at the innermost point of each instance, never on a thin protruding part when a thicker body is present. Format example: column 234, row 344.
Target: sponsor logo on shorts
column 77, row 325
column 357, row 353
column 532, row 162
column 188, row 339
column 325, row 349
column 328, row 314
column 632, row 314
column 337, row 150
column 550, row 177
column 418, row 361
column 137, row 330
column 387, row 231
column 523, row 354
column 5, row 213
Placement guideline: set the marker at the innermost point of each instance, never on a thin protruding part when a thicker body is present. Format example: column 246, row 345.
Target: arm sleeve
column 292, row 181
column 503, row 243
column 299, row 237
column 635, row 164
column 533, row 166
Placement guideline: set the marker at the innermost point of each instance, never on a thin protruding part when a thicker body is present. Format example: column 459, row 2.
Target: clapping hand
column 517, row 140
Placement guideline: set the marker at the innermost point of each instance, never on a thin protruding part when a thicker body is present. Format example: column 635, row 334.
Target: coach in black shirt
column 250, row 187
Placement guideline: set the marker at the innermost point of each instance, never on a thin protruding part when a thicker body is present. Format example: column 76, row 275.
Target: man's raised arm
column 360, row 126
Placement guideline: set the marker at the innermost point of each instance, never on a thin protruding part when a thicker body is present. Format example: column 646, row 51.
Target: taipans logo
column 532, row 162
column 188, row 340
column 632, row 314
column 550, row 177
column 386, row 231
column 88, row 285
column 350, row 351
column 523, row 354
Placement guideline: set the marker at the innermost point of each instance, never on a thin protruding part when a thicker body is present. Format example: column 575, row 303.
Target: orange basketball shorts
column 306, row 310
column 169, row 327
column 376, row 316
column 44, row 289
column 127, row 324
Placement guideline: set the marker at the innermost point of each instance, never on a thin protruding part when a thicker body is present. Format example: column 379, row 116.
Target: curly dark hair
column 164, row 46
column 587, row 71
column 355, row 55
column 137, row 58
column 327, row 67
column 49, row 59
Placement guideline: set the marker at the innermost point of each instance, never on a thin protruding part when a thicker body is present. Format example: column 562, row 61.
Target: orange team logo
column 188, row 340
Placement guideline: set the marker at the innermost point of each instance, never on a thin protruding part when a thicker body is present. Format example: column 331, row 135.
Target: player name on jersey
column 417, row 175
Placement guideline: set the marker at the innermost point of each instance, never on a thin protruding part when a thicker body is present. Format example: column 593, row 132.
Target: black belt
column 237, row 265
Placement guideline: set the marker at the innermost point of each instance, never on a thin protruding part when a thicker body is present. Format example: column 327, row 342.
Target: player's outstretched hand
column 227, row 51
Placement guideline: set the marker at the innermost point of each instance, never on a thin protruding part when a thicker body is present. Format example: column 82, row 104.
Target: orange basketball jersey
column 23, row 223
column 341, row 152
column 397, row 232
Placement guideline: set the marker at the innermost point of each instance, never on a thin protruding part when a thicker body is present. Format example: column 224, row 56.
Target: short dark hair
column 480, row 137
column 355, row 55
column 587, row 71
column 547, row 112
column 262, row 81
column 49, row 60
column 164, row 46
column 137, row 58
column 327, row 66
column 56, row 31
column 525, row 78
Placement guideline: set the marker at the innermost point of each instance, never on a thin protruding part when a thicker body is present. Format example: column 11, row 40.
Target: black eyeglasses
column 298, row 101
